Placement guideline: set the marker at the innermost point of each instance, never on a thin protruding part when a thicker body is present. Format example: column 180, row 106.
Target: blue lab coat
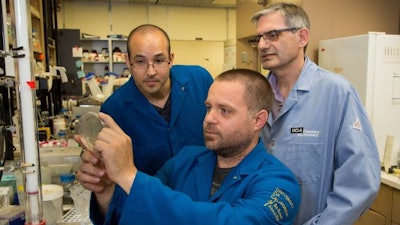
column 154, row 141
column 259, row 190
column 323, row 134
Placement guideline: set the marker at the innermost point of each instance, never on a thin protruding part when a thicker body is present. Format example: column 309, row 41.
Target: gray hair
column 294, row 15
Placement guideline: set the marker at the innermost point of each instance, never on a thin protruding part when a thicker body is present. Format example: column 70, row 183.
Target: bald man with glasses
column 161, row 107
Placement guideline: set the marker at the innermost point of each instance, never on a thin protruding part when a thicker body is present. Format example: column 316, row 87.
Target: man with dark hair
column 233, row 180
column 160, row 101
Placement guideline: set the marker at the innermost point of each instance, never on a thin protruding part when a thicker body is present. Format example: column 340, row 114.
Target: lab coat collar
column 305, row 80
column 303, row 84
column 179, row 88
column 247, row 166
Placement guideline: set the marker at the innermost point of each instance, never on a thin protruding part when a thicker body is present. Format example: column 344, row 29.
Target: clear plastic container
column 81, row 198
column 94, row 87
column 67, row 181
column 108, row 90
column 62, row 139
column 89, row 127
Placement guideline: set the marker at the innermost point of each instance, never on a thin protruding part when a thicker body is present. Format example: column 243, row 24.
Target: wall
column 214, row 26
column 246, row 29
column 209, row 54
column 329, row 19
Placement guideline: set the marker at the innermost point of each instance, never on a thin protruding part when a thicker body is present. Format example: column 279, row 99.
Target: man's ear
column 261, row 119
column 304, row 37
column 171, row 56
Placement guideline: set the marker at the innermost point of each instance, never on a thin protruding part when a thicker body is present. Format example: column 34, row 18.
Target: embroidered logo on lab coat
column 357, row 124
column 296, row 130
column 301, row 132
column 280, row 204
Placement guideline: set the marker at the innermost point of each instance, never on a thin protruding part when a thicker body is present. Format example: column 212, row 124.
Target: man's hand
column 92, row 175
column 115, row 149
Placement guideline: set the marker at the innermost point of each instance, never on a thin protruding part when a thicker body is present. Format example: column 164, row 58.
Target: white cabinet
column 103, row 55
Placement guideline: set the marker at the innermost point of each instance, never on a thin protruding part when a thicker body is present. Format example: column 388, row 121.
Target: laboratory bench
column 385, row 210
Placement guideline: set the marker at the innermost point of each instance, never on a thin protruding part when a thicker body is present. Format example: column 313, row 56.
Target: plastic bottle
column 58, row 125
column 67, row 181
column 62, row 139
column 108, row 90
column 94, row 87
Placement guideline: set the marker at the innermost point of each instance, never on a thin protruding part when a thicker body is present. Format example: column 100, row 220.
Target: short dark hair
column 144, row 28
column 258, row 92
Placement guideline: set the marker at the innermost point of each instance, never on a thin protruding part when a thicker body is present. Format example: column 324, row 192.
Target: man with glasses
column 318, row 126
column 232, row 180
column 161, row 107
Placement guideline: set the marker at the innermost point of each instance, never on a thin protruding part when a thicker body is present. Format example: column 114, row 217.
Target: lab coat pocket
column 305, row 161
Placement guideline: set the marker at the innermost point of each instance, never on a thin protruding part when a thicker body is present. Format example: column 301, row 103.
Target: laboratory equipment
column 108, row 89
column 67, row 181
column 10, row 214
column 52, row 203
column 62, row 70
column 79, row 111
column 89, row 127
column 81, row 198
column 94, row 87
column 59, row 124
column 27, row 105
column 60, row 160
column 371, row 62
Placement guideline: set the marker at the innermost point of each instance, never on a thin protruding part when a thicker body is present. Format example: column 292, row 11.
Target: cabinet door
column 383, row 200
column 67, row 39
column 371, row 218
column 380, row 210
column 396, row 207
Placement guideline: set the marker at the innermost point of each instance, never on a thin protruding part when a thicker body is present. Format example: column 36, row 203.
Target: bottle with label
column 67, row 181
column 58, row 125
column 62, row 139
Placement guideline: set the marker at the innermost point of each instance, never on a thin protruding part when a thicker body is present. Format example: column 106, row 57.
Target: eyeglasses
column 272, row 35
column 142, row 65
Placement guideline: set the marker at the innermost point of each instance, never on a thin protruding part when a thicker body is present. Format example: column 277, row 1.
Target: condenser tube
column 27, row 95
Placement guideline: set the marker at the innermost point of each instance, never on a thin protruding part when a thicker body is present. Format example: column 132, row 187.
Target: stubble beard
column 229, row 147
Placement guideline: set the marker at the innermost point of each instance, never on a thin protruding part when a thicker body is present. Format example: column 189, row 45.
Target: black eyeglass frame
column 272, row 35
